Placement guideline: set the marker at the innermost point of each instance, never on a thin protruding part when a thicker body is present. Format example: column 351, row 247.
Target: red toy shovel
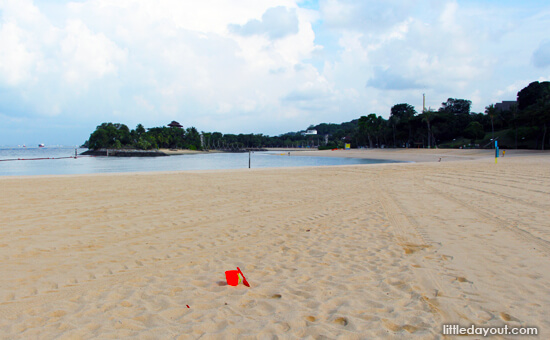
column 244, row 278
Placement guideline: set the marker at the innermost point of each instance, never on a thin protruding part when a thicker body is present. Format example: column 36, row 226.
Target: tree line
column 119, row 136
column 522, row 125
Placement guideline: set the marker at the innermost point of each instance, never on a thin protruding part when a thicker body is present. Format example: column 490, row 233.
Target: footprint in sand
column 57, row 314
column 410, row 328
column 463, row 279
column 311, row 318
column 341, row 321
column 484, row 316
column 50, row 285
column 32, row 291
column 507, row 317
column 391, row 326
column 126, row 304
column 409, row 248
column 276, row 296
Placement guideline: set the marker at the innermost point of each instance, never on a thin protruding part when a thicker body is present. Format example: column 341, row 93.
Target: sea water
column 61, row 161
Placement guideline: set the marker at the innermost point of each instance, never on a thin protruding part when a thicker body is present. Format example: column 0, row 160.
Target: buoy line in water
column 39, row 159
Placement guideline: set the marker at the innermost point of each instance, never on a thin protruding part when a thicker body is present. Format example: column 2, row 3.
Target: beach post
column 496, row 152
column 249, row 152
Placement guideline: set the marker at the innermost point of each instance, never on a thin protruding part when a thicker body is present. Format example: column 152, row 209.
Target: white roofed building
column 309, row 132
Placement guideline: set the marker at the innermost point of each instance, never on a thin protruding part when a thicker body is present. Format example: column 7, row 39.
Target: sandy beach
column 416, row 155
column 351, row 252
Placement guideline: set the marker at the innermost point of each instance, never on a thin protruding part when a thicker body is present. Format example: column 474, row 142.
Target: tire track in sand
column 503, row 223
column 407, row 235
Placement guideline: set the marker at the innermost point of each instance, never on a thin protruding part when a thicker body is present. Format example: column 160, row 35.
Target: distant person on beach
column 503, row 153
column 439, row 159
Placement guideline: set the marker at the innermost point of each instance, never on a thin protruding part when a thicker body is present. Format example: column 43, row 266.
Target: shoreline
column 415, row 155
column 398, row 155
column 155, row 152
column 173, row 152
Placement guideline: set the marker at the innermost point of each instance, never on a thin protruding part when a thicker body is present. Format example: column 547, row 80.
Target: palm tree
column 394, row 120
column 514, row 109
column 543, row 114
column 427, row 117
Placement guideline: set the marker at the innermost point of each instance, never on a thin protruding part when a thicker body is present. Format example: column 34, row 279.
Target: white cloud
column 16, row 61
column 541, row 57
column 23, row 33
column 385, row 79
column 88, row 56
column 142, row 102
column 277, row 22
column 368, row 15
column 447, row 19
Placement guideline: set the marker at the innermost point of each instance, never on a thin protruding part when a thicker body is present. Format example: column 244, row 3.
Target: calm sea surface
column 90, row 165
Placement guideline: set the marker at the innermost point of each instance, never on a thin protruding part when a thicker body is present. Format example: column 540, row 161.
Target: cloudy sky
column 255, row 66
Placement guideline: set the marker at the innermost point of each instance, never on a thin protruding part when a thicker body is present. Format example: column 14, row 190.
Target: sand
column 351, row 252
column 416, row 155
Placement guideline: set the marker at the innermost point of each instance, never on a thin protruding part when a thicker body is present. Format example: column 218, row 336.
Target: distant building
column 175, row 124
column 505, row 105
column 309, row 132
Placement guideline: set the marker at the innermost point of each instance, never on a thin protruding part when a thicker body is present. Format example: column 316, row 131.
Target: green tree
column 427, row 116
column 534, row 108
column 400, row 119
column 531, row 94
column 140, row 130
column 368, row 125
column 514, row 111
column 192, row 139
column 109, row 135
column 491, row 111
column 474, row 131
column 458, row 115
column 457, row 106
